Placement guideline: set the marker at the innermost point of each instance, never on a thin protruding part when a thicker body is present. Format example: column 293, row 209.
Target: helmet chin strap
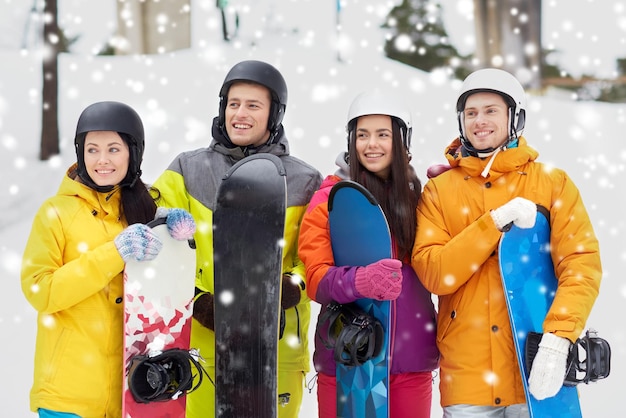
column 492, row 154
column 485, row 172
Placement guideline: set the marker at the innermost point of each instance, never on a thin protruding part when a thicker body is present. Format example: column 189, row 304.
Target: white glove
column 522, row 212
column 548, row 371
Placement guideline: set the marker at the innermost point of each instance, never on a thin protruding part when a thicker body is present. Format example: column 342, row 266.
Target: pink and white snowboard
column 158, row 299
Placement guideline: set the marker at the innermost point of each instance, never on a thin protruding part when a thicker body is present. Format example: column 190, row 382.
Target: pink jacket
column 413, row 314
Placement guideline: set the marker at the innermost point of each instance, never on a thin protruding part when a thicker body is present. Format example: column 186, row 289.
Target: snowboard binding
column 355, row 336
column 589, row 359
column 164, row 376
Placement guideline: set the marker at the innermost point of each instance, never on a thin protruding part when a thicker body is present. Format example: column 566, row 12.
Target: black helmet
column 264, row 74
column 117, row 117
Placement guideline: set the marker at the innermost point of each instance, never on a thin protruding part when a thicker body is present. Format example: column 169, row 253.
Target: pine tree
column 418, row 38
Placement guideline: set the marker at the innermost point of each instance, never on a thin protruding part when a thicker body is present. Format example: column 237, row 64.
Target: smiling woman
column 373, row 143
column 73, row 265
column 109, row 145
column 106, row 157
column 379, row 133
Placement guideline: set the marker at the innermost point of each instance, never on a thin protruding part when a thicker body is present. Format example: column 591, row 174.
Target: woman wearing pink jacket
column 379, row 134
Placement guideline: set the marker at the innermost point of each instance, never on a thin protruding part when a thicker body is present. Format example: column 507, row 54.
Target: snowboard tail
column 249, row 222
column 360, row 236
column 530, row 284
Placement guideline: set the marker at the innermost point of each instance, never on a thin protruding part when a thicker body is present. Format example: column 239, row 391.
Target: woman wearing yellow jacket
column 73, row 263
column 494, row 180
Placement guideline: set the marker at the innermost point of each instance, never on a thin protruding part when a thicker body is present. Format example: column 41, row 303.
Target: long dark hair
column 398, row 195
column 138, row 202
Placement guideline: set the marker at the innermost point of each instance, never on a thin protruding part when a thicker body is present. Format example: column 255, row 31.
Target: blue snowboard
column 360, row 235
column 530, row 284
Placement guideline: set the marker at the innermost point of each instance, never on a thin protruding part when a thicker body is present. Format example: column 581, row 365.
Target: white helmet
column 493, row 80
column 378, row 103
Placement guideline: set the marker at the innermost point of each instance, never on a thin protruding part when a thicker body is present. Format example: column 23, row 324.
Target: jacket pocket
column 446, row 316
column 53, row 362
column 292, row 325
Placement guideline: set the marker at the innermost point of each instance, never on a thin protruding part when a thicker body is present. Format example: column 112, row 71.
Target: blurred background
column 167, row 59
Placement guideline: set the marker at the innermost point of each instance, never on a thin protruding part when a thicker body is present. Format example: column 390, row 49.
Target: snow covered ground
column 177, row 97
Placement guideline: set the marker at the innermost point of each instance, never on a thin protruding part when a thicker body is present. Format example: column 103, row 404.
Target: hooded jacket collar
column 343, row 170
column 276, row 145
column 72, row 186
column 511, row 159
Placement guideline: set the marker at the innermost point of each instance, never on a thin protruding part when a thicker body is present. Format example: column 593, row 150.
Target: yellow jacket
column 72, row 275
column 191, row 182
column 455, row 256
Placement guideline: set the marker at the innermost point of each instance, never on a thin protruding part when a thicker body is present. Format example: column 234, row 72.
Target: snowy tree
column 418, row 37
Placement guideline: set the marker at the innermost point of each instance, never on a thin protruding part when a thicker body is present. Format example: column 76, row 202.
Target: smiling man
column 486, row 117
column 247, row 114
column 253, row 100
column 493, row 181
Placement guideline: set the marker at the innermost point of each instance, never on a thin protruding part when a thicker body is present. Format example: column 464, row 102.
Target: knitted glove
column 180, row 223
column 138, row 242
column 549, row 366
column 381, row 280
column 290, row 295
column 522, row 212
column 203, row 310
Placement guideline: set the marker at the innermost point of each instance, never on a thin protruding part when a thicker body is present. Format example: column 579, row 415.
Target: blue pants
column 46, row 413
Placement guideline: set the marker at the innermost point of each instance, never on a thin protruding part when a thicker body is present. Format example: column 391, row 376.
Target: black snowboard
column 248, row 222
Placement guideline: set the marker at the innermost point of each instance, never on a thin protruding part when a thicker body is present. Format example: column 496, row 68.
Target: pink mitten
column 180, row 224
column 381, row 280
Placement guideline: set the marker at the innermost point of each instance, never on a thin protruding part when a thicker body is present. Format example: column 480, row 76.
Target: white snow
column 176, row 95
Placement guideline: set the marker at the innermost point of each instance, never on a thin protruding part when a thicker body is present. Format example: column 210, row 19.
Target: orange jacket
column 455, row 256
